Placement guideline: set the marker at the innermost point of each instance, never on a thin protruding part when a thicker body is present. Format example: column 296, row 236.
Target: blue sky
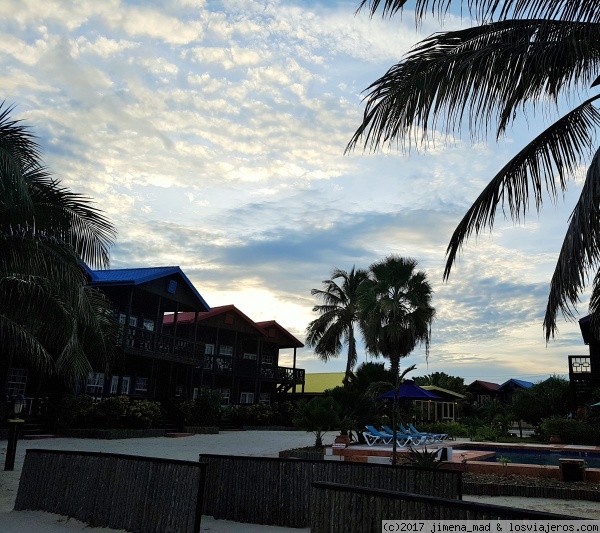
column 212, row 133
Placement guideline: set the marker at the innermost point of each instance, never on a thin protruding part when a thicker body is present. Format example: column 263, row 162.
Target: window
column 209, row 349
column 141, row 385
column 225, row 395
column 95, row 383
column 17, row 380
column 132, row 320
column 195, row 393
column 247, row 397
column 148, row 324
column 178, row 390
column 226, row 350
column 250, row 356
column 264, row 397
column 267, row 359
column 114, row 384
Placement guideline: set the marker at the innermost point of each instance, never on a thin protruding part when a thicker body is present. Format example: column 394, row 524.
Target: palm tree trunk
column 351, row 358
column 395, row 365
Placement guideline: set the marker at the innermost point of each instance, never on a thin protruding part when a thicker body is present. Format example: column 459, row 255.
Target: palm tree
column 521, row 55
column 338, row 317
column 47, row 314
column 396, row 311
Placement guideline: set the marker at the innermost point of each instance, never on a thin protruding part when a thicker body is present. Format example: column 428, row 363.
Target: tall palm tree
column 396, row 311
column 47, row 314
column 521, row 55
column 339, row 315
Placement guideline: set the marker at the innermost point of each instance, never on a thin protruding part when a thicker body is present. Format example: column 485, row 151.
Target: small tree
column 317, row 416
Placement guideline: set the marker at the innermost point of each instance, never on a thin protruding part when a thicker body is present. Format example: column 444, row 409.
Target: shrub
column 454, row 429
column 205, row 410
column 570, row 431
column 77, row 412
column 483, row 433
column 141, row 415
column 317, row 416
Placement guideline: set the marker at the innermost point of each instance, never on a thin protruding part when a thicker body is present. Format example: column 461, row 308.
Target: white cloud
column 213, row 134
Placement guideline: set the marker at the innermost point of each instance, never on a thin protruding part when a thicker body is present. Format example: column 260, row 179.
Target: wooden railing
column 161, row 346
column 279, row 374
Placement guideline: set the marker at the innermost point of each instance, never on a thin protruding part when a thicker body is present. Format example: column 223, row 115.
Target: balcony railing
column 145, row 342
column 251, row 369
column 152, row 344
column 579, row 364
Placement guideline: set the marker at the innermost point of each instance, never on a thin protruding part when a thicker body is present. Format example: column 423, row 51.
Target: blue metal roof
column 137, row 276
column 521, row 383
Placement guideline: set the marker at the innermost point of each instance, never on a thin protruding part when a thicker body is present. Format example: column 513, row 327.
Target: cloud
column 213, row 134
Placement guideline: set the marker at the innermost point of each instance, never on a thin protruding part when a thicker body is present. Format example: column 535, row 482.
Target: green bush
column 318, row 416
column 141, row 415
column 78, row 412
column 205, row 410
column 483, row 433
column 284, row 414
column 571, row 431
column 454, row 429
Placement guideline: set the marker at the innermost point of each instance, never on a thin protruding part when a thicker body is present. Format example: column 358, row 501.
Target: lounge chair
column 372, row 436
column 436, row 437
column 425, row 438
column 402, row 438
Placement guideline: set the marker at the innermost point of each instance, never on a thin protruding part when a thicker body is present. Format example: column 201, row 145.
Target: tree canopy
column 520, row 57
column 48, row 315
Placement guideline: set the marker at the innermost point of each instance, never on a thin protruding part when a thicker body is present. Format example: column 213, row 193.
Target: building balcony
column 251, row 369
column 145, row 343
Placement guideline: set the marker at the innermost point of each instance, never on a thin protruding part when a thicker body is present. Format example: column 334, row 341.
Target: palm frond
column 583, row 10
column 578, row 253
column 19, row 340
column 551, row 157
column 486, row 73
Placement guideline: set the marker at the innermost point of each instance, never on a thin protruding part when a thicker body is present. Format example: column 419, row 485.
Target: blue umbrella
column 409, row 391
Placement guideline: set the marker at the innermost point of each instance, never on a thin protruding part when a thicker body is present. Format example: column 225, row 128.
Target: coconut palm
column 339, row 314
column 520, row 56
column 396, row 311
column 47, row 314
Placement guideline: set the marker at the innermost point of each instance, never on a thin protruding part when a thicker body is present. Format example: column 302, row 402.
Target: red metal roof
column 485, row 384
column 188, row 317
column 294, row 342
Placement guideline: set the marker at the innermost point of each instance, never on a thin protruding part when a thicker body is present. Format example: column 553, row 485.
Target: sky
column 212, row 135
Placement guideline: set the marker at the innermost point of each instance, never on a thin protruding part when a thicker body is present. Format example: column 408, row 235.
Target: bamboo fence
column 349, row 509
column 138, row 494
column 274, row 491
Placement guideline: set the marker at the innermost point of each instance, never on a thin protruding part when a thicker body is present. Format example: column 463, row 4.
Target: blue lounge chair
column 436, row 437
column 401, row 437
column 372, row 436
column 424, row 438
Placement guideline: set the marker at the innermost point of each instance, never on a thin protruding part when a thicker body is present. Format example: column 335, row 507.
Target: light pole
column 13, row 432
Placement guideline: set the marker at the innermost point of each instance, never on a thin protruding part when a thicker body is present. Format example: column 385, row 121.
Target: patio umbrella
column 409, row 391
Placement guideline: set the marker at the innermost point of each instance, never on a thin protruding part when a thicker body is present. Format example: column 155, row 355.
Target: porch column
column 127, row 316
column 174, row 327
column 156, row 322
column 294, row 376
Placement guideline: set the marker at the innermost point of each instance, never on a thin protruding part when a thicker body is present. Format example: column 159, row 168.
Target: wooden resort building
column 172, row 343
column 584, row 370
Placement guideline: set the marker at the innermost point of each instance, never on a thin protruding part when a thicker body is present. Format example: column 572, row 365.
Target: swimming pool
column 539, row 457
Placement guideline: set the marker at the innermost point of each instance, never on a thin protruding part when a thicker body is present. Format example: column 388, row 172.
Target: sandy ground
column 249, row 443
